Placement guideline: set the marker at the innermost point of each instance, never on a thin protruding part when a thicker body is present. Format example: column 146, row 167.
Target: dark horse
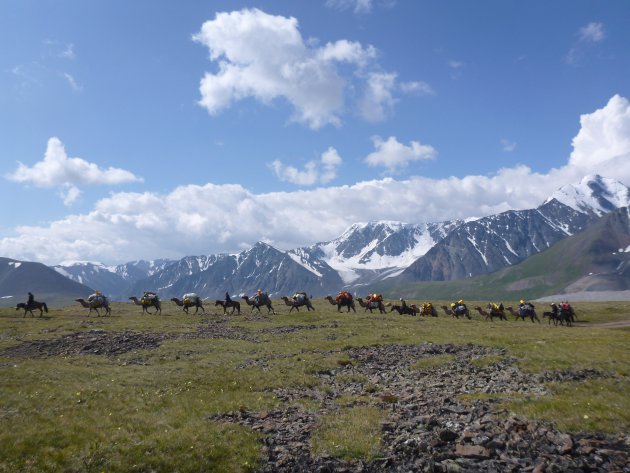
column 260, row 301
column 233, row 304
column 405, row 310
column 41, row 306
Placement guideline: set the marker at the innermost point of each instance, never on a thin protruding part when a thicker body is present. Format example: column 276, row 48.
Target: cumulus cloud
column 603, row 143
column 128, row 226
column 58, row 170
column 393, row 155
column 265, row 57
column 314, row 172
column 378, row 101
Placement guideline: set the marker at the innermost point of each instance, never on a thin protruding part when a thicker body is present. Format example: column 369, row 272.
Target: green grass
column 349, row 434
column 148, row 410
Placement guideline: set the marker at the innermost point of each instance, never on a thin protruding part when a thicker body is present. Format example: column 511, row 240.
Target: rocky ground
column 428, row 428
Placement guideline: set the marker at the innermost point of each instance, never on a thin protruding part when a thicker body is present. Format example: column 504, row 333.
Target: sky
column 160, row 129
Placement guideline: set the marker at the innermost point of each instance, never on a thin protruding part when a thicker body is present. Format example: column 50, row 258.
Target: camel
column 531, row 313
column 406, row 310
column 426, row 310
column 368, row 305
column 95, row 304
column 263, row 300
column 33, row 305
column 235, row 305
column 455, row 313
column 492, row 314
column 187, row 303
column 146, row 302
column 296, row 303
column 342, row 302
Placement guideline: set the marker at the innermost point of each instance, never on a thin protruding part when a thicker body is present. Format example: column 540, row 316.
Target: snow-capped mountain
column 490, row 243
column 593, row 194
column 111, row 280
column 261, row 267
column 367, row 252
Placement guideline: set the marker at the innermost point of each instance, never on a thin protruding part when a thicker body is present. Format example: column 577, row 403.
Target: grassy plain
column 148, row 409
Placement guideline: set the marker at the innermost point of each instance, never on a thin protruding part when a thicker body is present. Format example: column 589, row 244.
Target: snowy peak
column 594, row 194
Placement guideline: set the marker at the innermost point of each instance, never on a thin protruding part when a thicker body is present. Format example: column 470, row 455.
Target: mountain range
column 375, row 254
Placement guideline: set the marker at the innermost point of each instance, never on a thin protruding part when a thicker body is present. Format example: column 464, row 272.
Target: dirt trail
column 616, row 324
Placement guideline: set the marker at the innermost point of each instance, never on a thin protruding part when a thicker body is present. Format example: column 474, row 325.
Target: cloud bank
column 129, row 226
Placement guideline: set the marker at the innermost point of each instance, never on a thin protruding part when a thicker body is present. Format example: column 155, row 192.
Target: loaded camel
column 257, row 303
column 146, row 302
column 492, row 314
column 455, row 313
column 531, row 313
column 235, row 305
column 41, row 306
column 95, row 304
column 427, row 310
column 342, row 302
column 189, row 302
column 368, row 305
column 298, row 300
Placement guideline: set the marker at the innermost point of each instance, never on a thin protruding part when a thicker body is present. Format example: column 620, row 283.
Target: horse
column 370, row 305
column 233, row 304
column 95, row 304
column 342, row 302
column 405, row 310
column 147, row 302
column 187, row 303
column 257, row 303
column 522, row 313
column 561, row 317
column 298, row 302
column 41, row 306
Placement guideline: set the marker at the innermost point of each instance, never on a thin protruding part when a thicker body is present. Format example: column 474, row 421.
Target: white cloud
column 265, row 57
column 603, row 143
column 587, row 36
column 73, row 83
column 128, row 226
column 417, row 87
column 507, row 145
column 357, row 6
column 58, row 170
column 314, row 172
column 593, row 32
column 378, row 100
column 393, row 155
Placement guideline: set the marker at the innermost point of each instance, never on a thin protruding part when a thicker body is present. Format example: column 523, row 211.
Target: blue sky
column 151, row 129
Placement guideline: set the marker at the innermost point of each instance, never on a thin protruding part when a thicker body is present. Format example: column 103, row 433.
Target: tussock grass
column 143, row 410
column 432, row 362
column 349, row 434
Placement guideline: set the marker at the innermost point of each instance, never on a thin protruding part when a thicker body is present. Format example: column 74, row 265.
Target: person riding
column 403, row 303
column 31, row 299
column 228, row 300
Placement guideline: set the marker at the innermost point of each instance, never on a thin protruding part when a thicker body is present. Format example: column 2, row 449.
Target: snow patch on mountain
column 593, row 193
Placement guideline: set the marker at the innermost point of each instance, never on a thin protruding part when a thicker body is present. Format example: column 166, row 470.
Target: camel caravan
column 562, row 314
